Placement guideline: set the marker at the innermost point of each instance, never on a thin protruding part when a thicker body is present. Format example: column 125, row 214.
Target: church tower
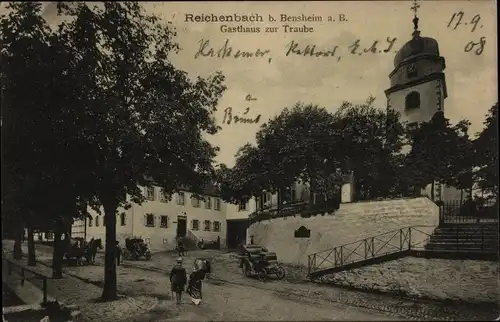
column 418, row 90
column 418, row 85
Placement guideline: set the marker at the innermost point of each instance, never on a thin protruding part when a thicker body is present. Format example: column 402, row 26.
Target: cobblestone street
column 228, row 295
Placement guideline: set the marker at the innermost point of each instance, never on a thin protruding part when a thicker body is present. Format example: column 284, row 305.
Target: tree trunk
column 31, row 248
column 109, row 291
column 57, row 255
column 432, row 191
column 18, row 252
column 461, row 196
column 279, row 199
column 311, row 193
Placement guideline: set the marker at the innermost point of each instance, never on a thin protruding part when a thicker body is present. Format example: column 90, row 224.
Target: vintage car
column 135, row 248
column 256, row 260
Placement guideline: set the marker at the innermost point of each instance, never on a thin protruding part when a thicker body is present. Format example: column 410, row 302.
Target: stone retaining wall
column 353, row 221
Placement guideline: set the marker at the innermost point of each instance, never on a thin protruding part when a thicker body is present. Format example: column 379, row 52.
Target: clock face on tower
column 411, row 70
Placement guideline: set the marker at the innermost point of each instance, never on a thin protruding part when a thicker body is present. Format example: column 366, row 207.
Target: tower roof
column 417, row 46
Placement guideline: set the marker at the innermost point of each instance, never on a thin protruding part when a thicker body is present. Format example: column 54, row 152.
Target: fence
column 392, row 242
column 301, row 208
column 26, row 274
column 458, row 212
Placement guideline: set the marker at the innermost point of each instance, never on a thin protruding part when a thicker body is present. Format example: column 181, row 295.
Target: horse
column 91, row 250
column 75, row 249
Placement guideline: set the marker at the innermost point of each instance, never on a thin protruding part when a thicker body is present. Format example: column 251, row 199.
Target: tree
column 437, row 152
column 299, row 145
column 308, row 144
column 370, row 145
column 143, row 119
column 486, row 153
column 39, row 149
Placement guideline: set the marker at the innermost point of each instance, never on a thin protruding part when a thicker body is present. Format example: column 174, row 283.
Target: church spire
column 414, row 8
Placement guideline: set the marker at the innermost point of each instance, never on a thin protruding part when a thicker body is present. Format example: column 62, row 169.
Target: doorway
column 236, row 232
column 181, row 226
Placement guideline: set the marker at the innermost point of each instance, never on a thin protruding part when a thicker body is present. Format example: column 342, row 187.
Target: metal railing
column 460, row 212
column 300, row 208
column 23, row 271
column 391, row 242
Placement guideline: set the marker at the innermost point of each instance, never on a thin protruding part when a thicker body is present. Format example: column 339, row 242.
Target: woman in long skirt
column 194, row 286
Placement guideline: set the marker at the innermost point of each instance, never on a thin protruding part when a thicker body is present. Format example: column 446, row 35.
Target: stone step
column 454, row 229
column 451, row 237
column 461, row 247
column 466, row 233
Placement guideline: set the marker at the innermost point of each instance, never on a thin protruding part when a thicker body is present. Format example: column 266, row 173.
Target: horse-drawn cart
column 77, row 250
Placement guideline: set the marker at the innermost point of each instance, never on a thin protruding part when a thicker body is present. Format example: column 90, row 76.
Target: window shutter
column 125, row 219
column 145, row 220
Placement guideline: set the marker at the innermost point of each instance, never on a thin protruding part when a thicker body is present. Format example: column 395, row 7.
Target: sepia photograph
column 249, row 161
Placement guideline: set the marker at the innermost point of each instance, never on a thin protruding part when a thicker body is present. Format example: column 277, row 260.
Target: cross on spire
column 414, row 8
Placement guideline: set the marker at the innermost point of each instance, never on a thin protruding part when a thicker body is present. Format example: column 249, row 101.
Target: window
column 195, row 202
column 163, row 196
column 216, row 204
column 242, row 206
column 412, row 101
column 208, row 202
column 97, row 221
column 164, row 221
column 207, row 225
column 150, row 220
column 181, row 198
column 150, row 193
column 90, row 221
column 123, row 219
column 195, row 224
column 412, row 70
column 216, row 226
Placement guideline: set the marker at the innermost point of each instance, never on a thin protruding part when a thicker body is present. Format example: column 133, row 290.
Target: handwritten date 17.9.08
column 475, row 46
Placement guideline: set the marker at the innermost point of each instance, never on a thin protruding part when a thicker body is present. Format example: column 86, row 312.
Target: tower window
column 412, row 101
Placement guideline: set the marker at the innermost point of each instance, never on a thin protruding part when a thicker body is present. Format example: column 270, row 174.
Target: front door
column 181, row 226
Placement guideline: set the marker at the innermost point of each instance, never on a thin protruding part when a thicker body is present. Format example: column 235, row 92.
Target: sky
column 281, row 82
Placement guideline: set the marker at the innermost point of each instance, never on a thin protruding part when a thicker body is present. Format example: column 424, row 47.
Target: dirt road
column 231, row 296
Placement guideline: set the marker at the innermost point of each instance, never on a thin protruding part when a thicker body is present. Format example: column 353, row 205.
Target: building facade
column 160, row 219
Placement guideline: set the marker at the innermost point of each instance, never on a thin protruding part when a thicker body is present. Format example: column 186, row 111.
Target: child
column 178, row 279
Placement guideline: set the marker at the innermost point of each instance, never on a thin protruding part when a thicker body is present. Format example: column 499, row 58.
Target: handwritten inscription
column 476, row 47
column 374, row 47
column 250, row 98
column 457, row 19
column 229, row 117
column 227, row 51
column 294, row 48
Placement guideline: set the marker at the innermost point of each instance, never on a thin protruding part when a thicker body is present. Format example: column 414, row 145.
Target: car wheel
column 280, row 272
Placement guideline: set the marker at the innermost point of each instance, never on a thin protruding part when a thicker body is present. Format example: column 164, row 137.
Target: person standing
column 118, row 253
column 194, row 286
column 178, row 280
column 180, row 247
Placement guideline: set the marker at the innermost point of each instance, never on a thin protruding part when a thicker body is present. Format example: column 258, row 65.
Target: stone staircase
column 465, row 238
